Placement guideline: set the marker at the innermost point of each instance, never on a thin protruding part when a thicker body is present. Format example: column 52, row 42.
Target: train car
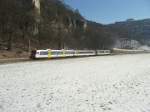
column 127, row 51
column 103, row 52
column 85, row 53
column 36, row 54
column 69, row 53
column 56, row 53
column 48, row 53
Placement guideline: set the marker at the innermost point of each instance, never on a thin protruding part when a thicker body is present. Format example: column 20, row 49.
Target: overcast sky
column 109, row 11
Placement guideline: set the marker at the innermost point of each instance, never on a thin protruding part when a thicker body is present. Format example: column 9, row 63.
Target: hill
column 47, row 24
column 133, row 29
column 35, row 24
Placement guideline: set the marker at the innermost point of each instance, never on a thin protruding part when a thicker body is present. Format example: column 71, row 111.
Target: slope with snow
column 95, row 84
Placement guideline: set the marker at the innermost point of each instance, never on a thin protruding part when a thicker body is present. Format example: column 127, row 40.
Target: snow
column 93, row 84
column 145, row 47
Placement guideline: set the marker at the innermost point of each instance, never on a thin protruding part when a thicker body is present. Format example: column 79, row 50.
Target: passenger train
column 48, row 53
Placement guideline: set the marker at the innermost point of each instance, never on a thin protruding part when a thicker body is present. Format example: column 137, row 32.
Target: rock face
column 37, row 11
column 37, row 5
column 64, row 21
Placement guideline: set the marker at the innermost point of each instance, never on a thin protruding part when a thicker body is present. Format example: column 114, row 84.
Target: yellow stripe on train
column 49, row 54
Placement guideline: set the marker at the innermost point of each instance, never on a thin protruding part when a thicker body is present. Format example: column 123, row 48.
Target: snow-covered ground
column 94, row 84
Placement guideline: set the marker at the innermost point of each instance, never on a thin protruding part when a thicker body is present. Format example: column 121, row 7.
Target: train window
column 69, row 52
column 56, row 52
column 59, row 53
column 43, row 53
column 83, row 52
column 101, row 51
column 53, row 53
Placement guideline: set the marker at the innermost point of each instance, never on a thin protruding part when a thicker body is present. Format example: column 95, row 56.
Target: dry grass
column 13, row 54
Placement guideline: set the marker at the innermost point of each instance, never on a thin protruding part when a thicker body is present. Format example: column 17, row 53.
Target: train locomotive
column 48, row 53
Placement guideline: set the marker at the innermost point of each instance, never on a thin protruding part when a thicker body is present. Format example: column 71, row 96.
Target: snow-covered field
column 94, row 84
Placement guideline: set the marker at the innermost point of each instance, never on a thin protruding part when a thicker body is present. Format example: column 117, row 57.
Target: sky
column 110, row 11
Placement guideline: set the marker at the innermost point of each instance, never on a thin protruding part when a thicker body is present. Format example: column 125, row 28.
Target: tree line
column 60, row 27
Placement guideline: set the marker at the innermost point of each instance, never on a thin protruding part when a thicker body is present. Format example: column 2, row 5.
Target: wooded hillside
column 58, row 26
